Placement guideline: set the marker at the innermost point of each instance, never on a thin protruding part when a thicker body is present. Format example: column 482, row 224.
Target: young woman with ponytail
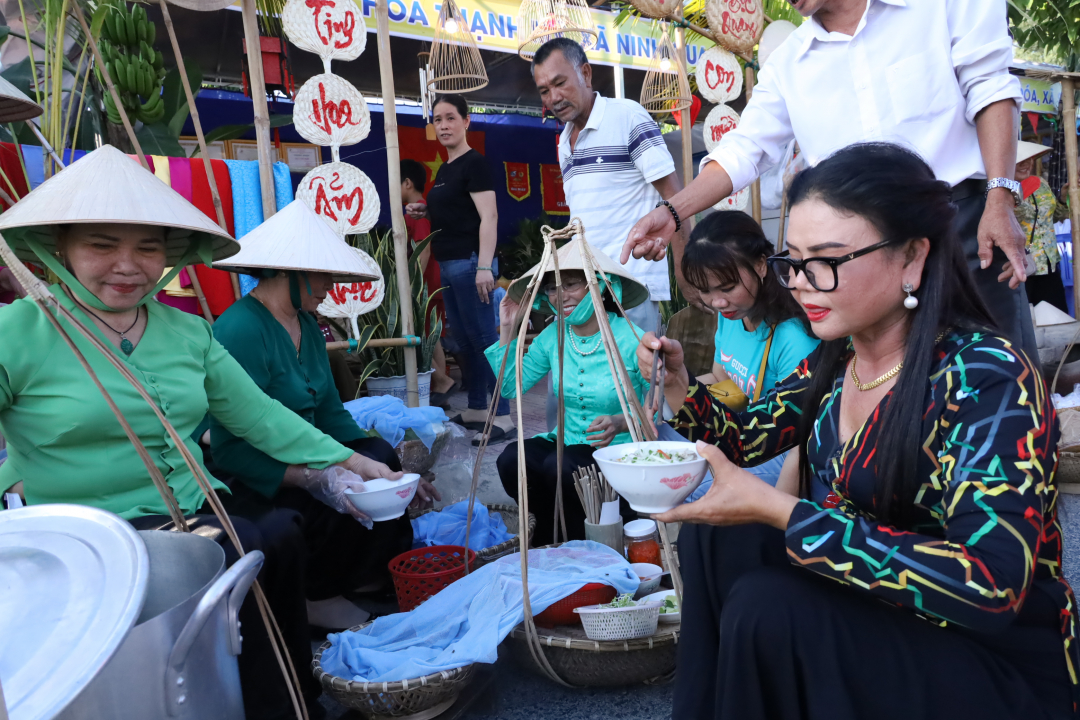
column 916, row 570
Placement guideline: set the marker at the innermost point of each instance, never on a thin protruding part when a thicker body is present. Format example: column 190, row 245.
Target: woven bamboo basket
column 417, row 699
column 602, row 663
column 509, row 515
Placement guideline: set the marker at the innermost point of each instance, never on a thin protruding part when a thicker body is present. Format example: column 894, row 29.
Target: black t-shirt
column 453, row 213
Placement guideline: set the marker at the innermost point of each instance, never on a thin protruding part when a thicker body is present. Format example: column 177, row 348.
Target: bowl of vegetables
column 669, row 611
column 654, row 477
column 621, row 619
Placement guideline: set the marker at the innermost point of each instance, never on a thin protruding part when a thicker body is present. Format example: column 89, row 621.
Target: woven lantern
column 666, row 88
column 542, row 20
column 657, row 9
column 455, row 66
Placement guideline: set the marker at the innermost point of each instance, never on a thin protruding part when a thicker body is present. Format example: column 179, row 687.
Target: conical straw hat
column 633, row 292
column 1028, row 150
column 14, row 106
column 107, row 186
column 298, row 239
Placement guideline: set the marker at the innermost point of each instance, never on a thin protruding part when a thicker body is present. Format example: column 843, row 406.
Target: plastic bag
column 454, row 468
column 447, row 527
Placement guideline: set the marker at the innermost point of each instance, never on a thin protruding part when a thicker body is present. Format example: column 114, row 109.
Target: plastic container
column 419, row 574
column 641, row 541
column 624, row 623
column 396, row 386
column 562, row 612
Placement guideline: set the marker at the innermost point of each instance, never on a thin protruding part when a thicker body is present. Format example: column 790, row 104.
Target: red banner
column 517, row 180
column 551, row 188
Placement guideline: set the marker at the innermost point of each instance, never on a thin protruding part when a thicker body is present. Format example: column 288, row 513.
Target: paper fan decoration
column 736, row 24
column 332, row 29
column 351, row 300
column 719, row 76
column 738, row 201
column 330, row 111
column 343, row 196
column 720, row 121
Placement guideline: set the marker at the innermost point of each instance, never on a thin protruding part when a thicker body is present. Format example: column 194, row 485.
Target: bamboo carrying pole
column 393, row 165
column 373, row 343
column 210, row 177
column 755, row 189
column 1068, row 98
column 687, row 133
column 262, row 112
column 76, row 10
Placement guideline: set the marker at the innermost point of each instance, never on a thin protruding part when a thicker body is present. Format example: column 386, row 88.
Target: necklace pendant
column 126, row 347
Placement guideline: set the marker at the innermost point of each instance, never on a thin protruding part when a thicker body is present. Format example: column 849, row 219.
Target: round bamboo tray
column 417, row 699
column 1068, row 469
column 509, row 515
column 601, row 663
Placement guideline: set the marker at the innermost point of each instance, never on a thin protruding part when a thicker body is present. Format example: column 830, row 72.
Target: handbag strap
column 764, row 362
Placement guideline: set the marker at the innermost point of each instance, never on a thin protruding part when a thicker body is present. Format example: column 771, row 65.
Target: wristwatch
column 1010, row 185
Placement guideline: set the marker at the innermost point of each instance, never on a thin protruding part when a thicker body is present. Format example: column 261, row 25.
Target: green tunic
column 66, row 445
column 590, row 390
column 302, row 382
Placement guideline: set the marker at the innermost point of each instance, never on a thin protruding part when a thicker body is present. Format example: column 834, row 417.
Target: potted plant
column 384, row 368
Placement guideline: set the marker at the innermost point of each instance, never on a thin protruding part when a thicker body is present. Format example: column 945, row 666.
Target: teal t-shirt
column 740, row 352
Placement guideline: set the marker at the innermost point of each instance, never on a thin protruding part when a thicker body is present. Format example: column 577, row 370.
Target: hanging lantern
column 666, row 88
column 542, row 20
column 277, row 71
column 455, row 66
column 657, row 9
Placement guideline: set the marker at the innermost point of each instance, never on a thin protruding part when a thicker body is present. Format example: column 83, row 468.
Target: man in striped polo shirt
column 615, row 165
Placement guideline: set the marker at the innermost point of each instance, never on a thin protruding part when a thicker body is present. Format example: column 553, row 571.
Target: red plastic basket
column 423, row 572
column 562, row 612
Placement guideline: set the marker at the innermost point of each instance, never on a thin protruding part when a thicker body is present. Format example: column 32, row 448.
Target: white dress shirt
column 915, row 73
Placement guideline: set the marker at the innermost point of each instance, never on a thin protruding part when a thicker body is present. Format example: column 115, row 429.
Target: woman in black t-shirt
column 461, row 206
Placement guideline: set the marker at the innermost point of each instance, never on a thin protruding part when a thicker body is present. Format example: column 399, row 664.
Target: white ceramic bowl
column 384, row 500
column 672, row 617
column 649, row 575
column 651, row 488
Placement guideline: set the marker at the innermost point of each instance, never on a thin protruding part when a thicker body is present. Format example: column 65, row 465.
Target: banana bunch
column 127, row 46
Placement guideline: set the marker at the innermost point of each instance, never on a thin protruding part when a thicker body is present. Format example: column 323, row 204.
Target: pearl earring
column 910, row 302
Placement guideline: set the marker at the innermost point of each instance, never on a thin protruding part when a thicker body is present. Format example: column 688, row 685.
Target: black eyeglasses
column 568, row 286
column 819, row 271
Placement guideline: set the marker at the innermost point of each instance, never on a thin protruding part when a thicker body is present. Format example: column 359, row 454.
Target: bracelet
column 490, row 270
column 674, row 214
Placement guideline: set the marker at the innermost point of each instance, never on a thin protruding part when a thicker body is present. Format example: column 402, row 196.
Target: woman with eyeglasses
column 592, row 413
column 762, row 334
column 916, row 572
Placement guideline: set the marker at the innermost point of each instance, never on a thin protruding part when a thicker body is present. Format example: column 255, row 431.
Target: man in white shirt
column 932, row 75
column 614, row 162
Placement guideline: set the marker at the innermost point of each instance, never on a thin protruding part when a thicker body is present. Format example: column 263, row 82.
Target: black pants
column 541, row 466
column 797, row 645
column 279, row 536
column 1048, row 287
column 342, row 555
column 1008, row 307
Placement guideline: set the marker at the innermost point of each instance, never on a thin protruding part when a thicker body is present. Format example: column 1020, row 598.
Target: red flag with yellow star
column 414, row 145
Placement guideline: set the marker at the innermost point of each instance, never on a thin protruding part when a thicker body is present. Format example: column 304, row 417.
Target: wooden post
column 262, row 112
column 393, row 165
column 1068, row 97
column 755, row 189
column 687, row 133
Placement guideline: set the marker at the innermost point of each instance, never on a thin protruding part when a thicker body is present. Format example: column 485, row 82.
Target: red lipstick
column 815, row 313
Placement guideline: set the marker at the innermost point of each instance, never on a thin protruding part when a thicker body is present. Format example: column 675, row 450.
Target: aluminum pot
column 179, row 661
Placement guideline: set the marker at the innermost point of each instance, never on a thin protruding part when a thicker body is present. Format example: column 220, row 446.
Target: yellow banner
column 493, row 24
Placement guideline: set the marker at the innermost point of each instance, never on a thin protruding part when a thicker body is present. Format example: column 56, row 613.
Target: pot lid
column 72, row 584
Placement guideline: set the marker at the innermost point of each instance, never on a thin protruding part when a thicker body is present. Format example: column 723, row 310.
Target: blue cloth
column 447, row 527
column 247, row 201
column 473, row 327
column 389, row 416
column 740, row 352
column 466, row 622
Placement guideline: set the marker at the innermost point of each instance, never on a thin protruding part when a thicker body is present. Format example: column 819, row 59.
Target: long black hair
column 724, row 244
column 896, row 192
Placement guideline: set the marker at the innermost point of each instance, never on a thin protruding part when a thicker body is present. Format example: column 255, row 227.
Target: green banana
column 111, row 111
column 151, row 33
column 148, row 83
column 130, row 32
column 145, row 51
column 159, row 60
column 111, row 22
column 120, row 75
column 152, row 103
column 160, row 75
column 133, row 80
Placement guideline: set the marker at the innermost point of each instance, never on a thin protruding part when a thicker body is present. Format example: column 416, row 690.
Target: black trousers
column 280, row 538
column 541, row 467
column 797, row 645
column 342, row 555
column 1008, row 307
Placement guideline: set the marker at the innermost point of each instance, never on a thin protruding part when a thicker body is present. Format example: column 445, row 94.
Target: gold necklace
column 874, row 383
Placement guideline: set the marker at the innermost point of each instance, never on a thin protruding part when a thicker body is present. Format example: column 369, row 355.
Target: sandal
column 497, row 434
column 477, row 426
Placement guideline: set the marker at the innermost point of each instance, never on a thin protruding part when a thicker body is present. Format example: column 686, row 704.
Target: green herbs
column 623, row 601
column 658, row 457
column 669, row 605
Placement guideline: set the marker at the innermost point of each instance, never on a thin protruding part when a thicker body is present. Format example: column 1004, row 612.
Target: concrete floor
column 508, row 691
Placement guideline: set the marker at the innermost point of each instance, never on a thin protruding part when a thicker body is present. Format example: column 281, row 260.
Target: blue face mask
column 584, row 311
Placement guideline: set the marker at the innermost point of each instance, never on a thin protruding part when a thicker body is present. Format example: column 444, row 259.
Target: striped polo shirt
column 608, row 180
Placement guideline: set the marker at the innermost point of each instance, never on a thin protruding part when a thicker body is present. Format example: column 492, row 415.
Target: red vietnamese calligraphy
column 738, row 26
column 325, row 113
column 362, row 291
column 344, row 28
column 337, row 199
column 720, row 77
column 722, row 128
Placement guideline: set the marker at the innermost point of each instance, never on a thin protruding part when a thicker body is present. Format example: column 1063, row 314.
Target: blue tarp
column 388, row 416
column 447, row 527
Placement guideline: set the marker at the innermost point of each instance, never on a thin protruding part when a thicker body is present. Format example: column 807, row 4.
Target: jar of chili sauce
column 642, row 542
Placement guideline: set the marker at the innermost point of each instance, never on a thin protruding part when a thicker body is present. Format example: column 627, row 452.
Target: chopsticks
column 593, row 490
column 657, row 374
